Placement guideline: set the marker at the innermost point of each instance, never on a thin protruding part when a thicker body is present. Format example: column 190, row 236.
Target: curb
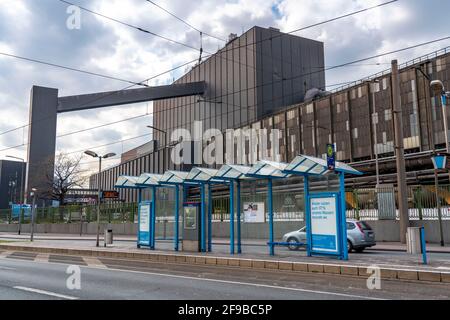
column 269, row 265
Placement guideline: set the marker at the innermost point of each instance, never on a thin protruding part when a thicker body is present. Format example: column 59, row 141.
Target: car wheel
column 293, row 244
column 349, row 246
column 359, row 250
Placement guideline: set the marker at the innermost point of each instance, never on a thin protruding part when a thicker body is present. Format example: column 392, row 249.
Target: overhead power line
column 70, row 68
column 184, row 21
column 106, row 95
column 310, row 73
column 343, row 16
column 234, row 47
column 130, row 25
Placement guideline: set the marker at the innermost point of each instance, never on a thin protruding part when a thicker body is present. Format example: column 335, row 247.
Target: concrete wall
column 385, row 231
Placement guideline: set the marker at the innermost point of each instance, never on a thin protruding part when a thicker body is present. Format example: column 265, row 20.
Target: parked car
column 359, row 237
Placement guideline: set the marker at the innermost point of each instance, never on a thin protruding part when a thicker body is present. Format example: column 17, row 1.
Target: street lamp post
column 95, row 155
column 438, row 88
column 22, row 187
column 162, row 131
column 439, row 163
column 33, row 212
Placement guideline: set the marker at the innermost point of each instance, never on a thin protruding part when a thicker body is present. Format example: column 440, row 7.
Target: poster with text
column 324, row 224
column 254, row 212
column 144, row 224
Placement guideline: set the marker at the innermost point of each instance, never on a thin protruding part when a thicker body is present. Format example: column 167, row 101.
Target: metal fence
column 362, row 204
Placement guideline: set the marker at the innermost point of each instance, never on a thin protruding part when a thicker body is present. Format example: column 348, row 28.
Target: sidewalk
column 393, row 265
column 381, row 246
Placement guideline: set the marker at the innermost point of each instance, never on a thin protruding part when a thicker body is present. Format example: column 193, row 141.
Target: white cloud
column 37, row 29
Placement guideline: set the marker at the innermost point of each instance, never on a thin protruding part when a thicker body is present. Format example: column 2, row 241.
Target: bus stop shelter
column 324, row 212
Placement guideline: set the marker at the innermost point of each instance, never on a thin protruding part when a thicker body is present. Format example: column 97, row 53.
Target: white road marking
column 228, row 282
column 94, row 262
column 7, row 269
column 42, row 257
column 4, row 254
column 47, row 293
column 444, row 268
column 252, row 284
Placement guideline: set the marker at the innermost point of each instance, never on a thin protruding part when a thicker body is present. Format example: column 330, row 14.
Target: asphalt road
column 108, row 279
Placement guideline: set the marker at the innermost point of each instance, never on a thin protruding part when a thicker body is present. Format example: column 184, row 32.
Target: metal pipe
column 307, row 217
column 210, row 210
column 239, row 248
column 99, row 201
column 438, row 205
column 153, row 219
column 202, row 219
column 177, row 216
column 271, row 238
column 343, row 217
column 400, row 157
column 231, row 217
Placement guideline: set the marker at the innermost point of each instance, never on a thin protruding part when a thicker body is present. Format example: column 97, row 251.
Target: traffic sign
column 110, row 195
column 331, row 157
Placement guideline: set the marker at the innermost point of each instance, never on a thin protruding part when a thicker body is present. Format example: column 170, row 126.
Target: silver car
column 359, row 236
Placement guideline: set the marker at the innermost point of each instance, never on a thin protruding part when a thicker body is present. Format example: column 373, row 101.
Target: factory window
column 291, row 115
column 430, row 68
column 440, row 65
column 310, row 108
column 338, row 108
column 387, row 115
column 385, row 84
column 355, row 133
column 360, row 92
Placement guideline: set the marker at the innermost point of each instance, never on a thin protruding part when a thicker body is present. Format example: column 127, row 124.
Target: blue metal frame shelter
column 151, row 181
column 202, row 177
column 302, row 165
column 234, row 173
column 269, row 170
column 175, row 179
column 307, row 166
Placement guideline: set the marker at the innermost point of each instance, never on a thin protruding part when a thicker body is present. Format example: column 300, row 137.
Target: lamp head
column 437, row 86
column 91, row 153
column 109, row 155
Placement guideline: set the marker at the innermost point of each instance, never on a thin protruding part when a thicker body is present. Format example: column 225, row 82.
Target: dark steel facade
column 11, row 172
column 349, row 118
column 256, row 74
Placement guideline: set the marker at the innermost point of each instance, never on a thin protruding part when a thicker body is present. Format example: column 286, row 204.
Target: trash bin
column 108, row 237
column 413, row 241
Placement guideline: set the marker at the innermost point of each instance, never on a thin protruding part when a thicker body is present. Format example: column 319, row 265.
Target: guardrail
column 362, row 204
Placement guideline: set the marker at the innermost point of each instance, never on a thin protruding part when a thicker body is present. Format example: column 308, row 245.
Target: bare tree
column 67, row 175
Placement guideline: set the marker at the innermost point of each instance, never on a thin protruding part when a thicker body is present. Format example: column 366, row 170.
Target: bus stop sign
column 331, row 157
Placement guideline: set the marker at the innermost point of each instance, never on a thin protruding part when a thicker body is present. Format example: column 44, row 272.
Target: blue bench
column 285, row 244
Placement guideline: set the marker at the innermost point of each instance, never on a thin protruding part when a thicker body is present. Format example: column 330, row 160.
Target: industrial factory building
column 269, row 80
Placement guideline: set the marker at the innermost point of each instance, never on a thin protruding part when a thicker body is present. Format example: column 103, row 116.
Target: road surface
column 33, row 276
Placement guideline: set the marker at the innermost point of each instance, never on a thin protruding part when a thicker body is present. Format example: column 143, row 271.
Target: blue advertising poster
column 16, row 210
column 324, row 223
column 145, row 209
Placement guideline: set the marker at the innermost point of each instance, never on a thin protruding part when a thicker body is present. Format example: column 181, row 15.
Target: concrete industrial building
column 265, row 89
column 11, row 182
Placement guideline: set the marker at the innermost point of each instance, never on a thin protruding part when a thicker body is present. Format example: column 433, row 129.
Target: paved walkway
column 381, row 246
column 390, row 256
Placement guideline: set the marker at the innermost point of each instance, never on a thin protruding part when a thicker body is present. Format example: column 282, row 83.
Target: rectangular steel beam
column 121, row 97
column 42, row 140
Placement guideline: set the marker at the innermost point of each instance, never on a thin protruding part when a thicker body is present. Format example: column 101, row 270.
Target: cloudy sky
column 37, row 29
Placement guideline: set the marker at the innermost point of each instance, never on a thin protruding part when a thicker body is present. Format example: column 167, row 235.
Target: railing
column 362, row 204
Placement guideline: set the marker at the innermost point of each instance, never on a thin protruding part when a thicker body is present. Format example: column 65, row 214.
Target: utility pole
column 400, row 153
column 33, row 213
column 99, row 201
